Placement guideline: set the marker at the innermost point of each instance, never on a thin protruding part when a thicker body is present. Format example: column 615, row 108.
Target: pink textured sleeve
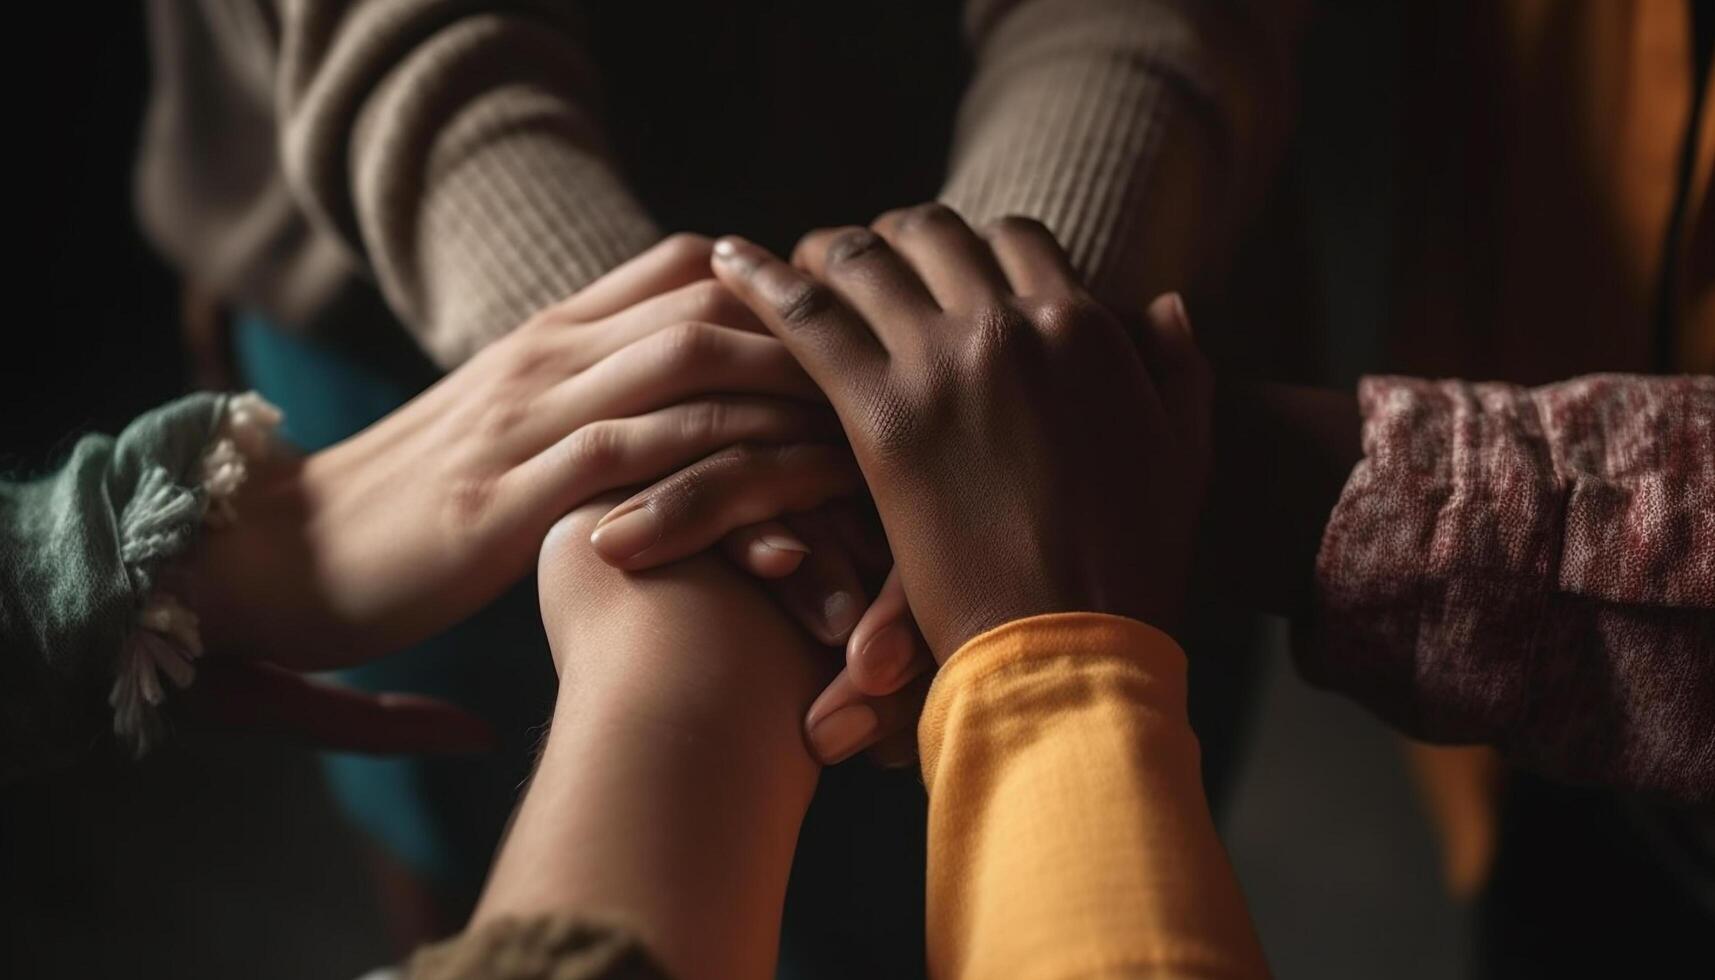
column 1533, row 568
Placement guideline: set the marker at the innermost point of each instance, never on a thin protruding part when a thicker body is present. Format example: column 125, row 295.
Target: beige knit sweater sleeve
column 450, row 143
column 448, row 150
column 1139, row 131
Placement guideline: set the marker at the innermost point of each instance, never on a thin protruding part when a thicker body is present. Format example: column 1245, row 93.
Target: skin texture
column 673, row 782
column 415, row 523
column 1300, row 442
column 979, row 333
column 1021, row 455
column 673, row 779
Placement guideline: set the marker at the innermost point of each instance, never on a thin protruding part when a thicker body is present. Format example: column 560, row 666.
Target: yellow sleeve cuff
column 1050, row 643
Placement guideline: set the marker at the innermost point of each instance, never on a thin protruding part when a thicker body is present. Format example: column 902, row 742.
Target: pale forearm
column 674, row 779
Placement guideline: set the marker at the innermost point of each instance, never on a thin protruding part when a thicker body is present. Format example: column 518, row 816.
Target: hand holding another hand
column 420, row 520
column 1023, row 454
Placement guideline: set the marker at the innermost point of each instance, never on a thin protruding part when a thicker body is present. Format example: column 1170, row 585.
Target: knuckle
column 598, row 445
column 502, row 417
column 686, row 247
column 524, row 356
column 996, row 337
column 804, row 302
column 710, row 301
column 925, row 217
column 468, row 503
column 685, row 345
column 850, row 244
column 1065, row 322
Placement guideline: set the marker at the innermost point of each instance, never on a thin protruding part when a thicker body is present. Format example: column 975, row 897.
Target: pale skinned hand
column 418, row 521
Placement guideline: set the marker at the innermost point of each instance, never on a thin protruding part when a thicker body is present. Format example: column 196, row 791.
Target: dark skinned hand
column 1026, row 453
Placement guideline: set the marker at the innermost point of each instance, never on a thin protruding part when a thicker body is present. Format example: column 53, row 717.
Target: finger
column 844, row 721
column 264, row 697
column 869, row 275
column 954, row 262
column 670, row 263
column 1034, row 263
column 687, row 361
column 611, row 453
column 833, row 343
column 692, row 509
column 826, row 594
column 1181, row 372
column 768, row 550
column 886, row 651
column 704, row 301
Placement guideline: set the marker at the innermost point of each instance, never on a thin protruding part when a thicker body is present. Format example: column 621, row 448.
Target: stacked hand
column 1025, row 451
column 420, row 520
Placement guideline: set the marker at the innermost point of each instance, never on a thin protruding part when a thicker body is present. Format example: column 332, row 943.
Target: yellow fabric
column 1068, row 831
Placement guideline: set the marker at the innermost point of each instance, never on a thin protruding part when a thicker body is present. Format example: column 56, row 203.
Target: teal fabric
column 78, row 552
column 440, row 817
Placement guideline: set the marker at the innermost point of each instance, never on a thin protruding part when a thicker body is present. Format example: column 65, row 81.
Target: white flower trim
column 167, row 639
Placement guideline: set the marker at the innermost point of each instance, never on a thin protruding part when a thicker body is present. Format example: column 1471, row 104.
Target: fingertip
column 735, row 254
column 622, row 539
column 774, row 555
column 884, row 662
column 843, row 733
column 1168, row 312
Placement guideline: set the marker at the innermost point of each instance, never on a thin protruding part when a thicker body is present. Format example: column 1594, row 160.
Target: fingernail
column 887, row 656
column 781, row 542
column 1180, row 314
column 628, row 535
column 735, row 251
column 840, row 614
column 839, row 734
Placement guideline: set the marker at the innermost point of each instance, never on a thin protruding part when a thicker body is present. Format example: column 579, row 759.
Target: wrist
column 232, row 567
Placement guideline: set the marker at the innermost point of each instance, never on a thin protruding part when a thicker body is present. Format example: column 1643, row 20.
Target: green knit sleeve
column 79, row 550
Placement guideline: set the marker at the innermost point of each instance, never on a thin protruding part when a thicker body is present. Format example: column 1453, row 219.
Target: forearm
column 1534, row 569
column 81, row 554
column 1140, row 133
column 1068, row 831
column 455, row 153
column 675, row 776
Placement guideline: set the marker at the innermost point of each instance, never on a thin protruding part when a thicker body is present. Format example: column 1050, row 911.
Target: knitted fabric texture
column 1533, row 568
column 80, row 551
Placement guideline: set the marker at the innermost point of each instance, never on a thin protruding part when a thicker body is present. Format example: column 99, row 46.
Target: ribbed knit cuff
column 1063, row 123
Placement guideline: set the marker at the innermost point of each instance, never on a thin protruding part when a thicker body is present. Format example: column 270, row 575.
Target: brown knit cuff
column 1443, row 545
column 544, row 948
